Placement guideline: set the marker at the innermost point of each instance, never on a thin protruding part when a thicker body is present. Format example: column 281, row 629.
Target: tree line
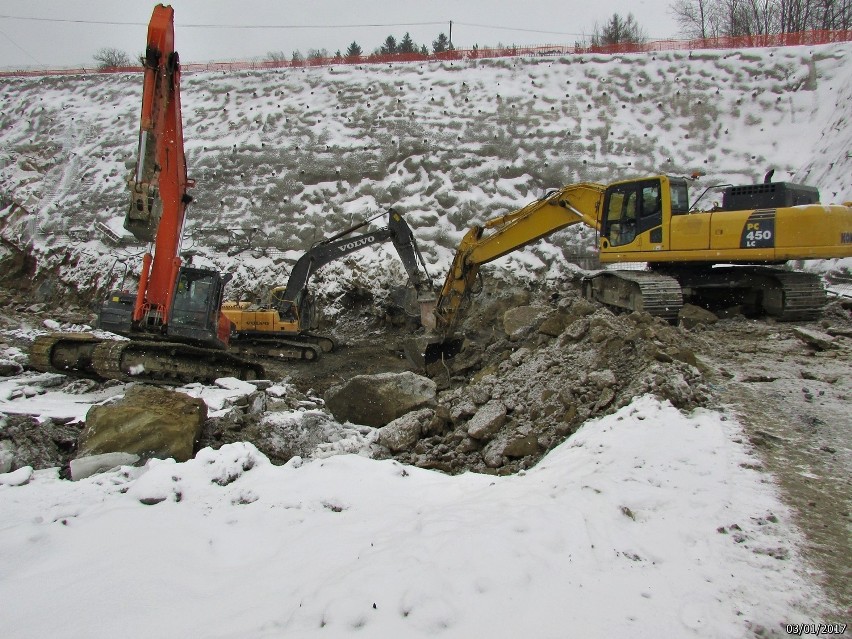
column 354, row 51
column 695, row 19
column 715, row 18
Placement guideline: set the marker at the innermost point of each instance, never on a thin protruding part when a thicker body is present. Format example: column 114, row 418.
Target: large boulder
column 819, row 340
column 554, row 324
column 488, row 420
column 26, row 441
column 375, row 400
column 148, row 421
column 7, row 455
column 691, row 316
column 522, row 319
column 404, row 432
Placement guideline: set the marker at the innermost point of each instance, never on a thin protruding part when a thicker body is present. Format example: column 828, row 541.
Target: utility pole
column 451, row 34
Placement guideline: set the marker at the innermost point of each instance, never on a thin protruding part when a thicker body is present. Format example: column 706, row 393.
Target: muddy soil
column 365, row 347
column 793, row 399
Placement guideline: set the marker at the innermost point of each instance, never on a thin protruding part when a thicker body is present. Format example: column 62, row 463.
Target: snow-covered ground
column 647, row 523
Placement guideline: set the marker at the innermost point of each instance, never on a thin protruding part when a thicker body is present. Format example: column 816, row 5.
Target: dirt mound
column 509, row 398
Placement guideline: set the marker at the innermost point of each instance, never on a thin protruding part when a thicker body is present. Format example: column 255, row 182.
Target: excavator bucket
column 424, row 351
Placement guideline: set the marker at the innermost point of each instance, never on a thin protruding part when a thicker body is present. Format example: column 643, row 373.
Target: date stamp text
column 815, row 629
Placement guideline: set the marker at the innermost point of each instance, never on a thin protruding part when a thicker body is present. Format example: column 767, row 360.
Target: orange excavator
column 176, row 329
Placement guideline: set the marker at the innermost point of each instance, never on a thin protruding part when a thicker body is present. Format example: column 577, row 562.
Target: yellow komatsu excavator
column 727, row 256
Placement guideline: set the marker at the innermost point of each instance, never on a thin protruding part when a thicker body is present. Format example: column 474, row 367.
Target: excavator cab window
column 631, row 209
column 287, row 311
column 651, row 216
column 620, row 207
column 196, row 299
column 651, row 201
column 679, row 195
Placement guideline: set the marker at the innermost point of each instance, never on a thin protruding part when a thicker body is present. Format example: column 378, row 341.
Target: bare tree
column 831, row 14
column 279, row 57
column 317, row 54
column 763, row 16
column 794, row 15
column 709, row 18
column 109, row 58
column 696, row 18
column 617, row 30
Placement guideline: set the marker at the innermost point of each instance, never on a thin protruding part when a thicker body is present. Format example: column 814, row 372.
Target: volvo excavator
column 285, row 326
column 730, row 255
column 177, row 332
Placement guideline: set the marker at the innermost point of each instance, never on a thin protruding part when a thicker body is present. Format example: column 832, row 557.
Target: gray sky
column 76, row 30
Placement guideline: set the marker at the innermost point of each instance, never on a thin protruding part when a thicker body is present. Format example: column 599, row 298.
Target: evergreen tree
column 441, row 44
column 406, row 45
column 389, row 46
column 354, row 51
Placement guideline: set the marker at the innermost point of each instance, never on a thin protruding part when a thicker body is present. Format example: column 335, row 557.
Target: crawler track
column 154, row 362
column 787, row 296
column 659, row 295
column 803, row 295
column 271, row 348
column 304, row 346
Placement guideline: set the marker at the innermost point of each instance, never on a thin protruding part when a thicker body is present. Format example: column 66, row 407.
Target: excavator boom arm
column 158, row 185
column 573, row 204
column 338, row 247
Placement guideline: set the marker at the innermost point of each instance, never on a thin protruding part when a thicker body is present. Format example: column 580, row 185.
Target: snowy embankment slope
column 648, row 523
column 283, row 158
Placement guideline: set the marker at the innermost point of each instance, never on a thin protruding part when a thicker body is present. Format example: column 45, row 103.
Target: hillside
column 284, row 157
column 572, row 467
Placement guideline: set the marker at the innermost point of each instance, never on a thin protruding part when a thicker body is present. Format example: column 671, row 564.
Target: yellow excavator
column 284, row 327
column 726, row 256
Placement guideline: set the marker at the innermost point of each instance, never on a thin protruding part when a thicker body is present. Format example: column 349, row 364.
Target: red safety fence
column 808, row 38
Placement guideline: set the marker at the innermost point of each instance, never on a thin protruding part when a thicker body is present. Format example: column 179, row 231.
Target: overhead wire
column 296, row 26
column 491, row 26
column 229, row 26
column 27, row 53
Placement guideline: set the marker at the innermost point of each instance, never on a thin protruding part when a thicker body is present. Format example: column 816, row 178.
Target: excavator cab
column 292, row 314
column 632, row 210
column 194, row 313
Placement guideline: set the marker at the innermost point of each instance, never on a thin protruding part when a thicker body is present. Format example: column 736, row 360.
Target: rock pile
column 532, row 371
column 508, row 399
